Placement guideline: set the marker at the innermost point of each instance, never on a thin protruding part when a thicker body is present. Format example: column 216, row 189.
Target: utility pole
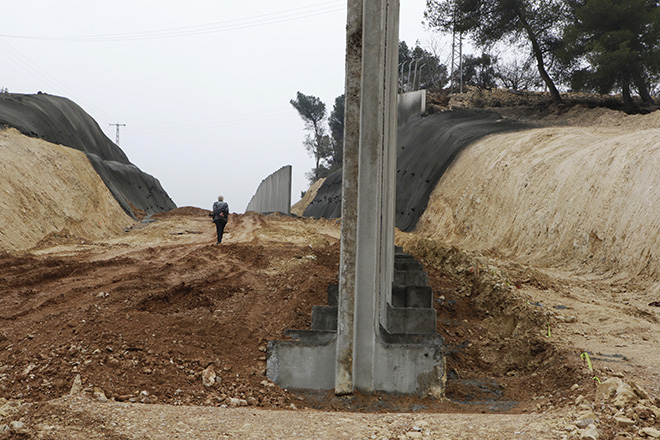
column 117, row 136
column 457, row 60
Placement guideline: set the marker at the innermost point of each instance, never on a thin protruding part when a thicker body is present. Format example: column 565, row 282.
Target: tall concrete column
column 368, row 185
column 346, row 300
column 389, row 156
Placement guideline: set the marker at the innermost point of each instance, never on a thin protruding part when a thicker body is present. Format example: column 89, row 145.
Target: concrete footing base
column 406, row 368
column 408, row 354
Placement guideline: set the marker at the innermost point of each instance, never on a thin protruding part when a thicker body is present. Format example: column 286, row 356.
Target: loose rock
column 209, row 376
column 16, row 425
column 99, row 395
column 650, row 432
column 624, row 421
column 591, row 433
column 77, row 386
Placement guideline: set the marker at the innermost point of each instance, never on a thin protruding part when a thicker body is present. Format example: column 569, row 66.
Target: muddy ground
column 140, row 316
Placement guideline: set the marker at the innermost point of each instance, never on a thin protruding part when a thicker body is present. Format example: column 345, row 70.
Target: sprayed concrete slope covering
column 577, row 196
column 60, row 121
column 425, row 148
column 50, row 189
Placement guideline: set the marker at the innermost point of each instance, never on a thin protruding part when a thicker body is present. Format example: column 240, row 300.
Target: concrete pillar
column 346, row 300
column 388, row 198
column 367, row 253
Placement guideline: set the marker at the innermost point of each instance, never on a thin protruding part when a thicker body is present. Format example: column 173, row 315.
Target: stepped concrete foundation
column 383, row 338
column 408, row 355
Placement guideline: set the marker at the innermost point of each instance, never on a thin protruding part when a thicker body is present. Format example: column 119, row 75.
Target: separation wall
column 273, row 194
column 410, row 104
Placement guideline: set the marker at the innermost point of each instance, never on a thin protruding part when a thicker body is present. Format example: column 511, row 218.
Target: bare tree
column 518, row 75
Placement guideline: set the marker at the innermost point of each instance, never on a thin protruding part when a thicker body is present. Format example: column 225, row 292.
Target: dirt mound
column 184, row 211
column 573, row 197
column 152, row 309
column 60, row 121
column 299, row 207
column 154, row 317
column 49, row 192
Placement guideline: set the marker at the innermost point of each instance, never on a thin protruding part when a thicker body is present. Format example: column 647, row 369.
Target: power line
column 222, row 26
column 41, row 75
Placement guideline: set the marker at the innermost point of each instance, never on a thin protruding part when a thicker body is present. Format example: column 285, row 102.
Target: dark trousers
column 220, row 227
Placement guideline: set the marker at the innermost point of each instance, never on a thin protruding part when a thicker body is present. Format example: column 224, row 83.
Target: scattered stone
column 77, row 386
column 585, row 419
column 607, row 389
column 252, row 401
column 144, row 397
column 233, row 402
column 16, row 425
column 625, row 396
column 575, row 387
column 209, row 376
column 591, row 433
column 624, row 422
column 641, row 392
column 99, row 395
column 649, row 432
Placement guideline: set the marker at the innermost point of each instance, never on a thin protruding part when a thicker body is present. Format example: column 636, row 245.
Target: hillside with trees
column 604, row 46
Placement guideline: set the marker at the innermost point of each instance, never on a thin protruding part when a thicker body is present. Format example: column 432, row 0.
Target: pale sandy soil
column 47, row 188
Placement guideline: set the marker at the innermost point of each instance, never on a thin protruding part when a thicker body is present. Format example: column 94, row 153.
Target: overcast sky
column 203, row 86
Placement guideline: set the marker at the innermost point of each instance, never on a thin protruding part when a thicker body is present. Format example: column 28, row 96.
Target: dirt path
column 143, row 316
column 72, row 418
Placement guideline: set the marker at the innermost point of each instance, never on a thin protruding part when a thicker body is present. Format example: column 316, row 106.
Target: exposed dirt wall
column 299, row 207
column 61, row 121
column 50, row 189
column 562, row 196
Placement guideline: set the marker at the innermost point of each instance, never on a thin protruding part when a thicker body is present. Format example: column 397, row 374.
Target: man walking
column 220, row 214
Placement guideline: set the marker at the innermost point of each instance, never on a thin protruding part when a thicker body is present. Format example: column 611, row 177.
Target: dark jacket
column 220, row 211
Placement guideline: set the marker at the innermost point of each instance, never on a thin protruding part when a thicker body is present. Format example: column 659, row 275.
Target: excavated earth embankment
column 61, row 121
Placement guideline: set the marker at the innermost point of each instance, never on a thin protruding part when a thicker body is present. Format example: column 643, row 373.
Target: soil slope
column 574, row 196
column 50, row 190
column 61, row 121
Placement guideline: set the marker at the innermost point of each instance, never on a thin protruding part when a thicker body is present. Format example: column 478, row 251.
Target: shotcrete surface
column 426, row 146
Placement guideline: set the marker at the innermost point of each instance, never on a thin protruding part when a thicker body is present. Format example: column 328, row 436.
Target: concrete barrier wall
column 273, row 194
column 411, row 104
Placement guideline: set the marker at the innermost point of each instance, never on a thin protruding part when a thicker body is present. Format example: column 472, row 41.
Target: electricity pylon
column 117, row 136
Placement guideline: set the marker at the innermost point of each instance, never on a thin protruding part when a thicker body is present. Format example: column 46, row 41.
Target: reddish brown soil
column 147, row 314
